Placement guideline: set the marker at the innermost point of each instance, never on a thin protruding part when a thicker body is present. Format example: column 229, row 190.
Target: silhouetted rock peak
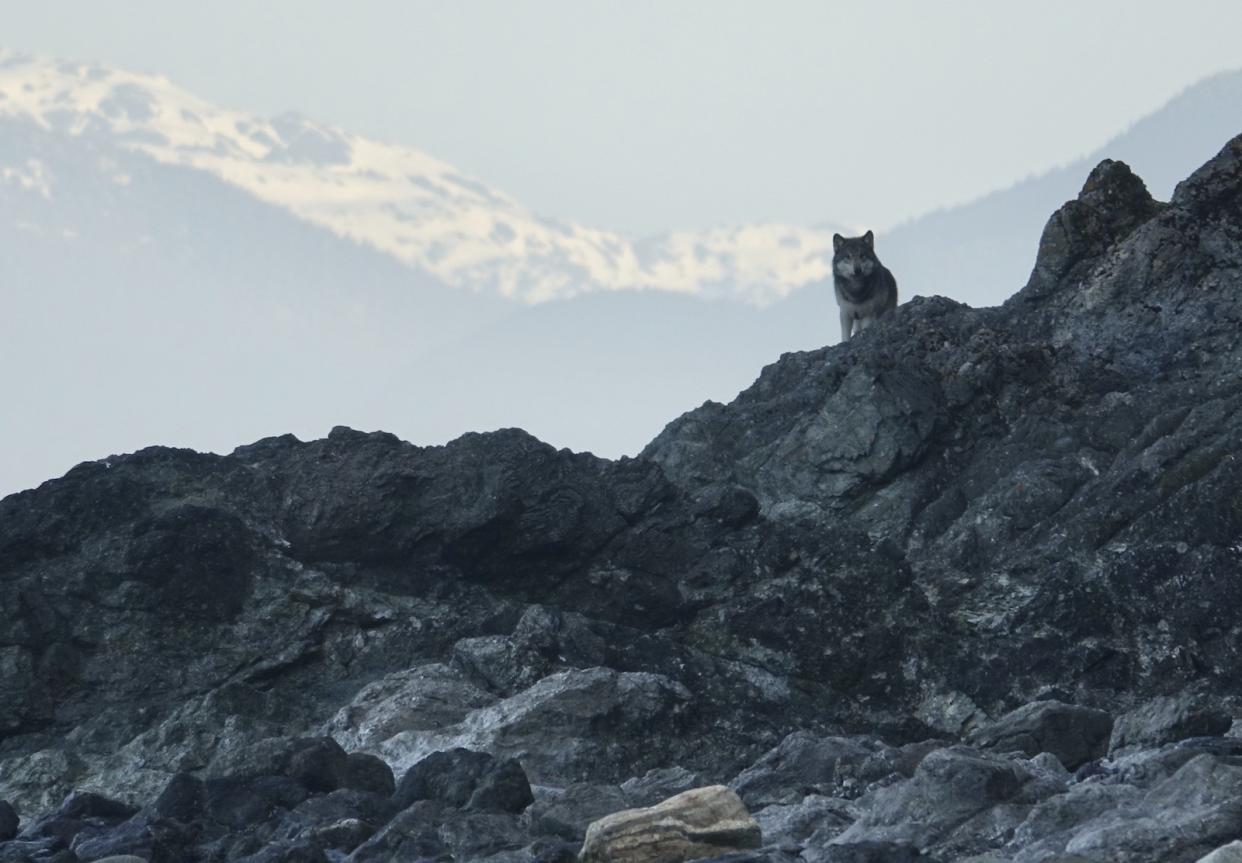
column 1112, row 203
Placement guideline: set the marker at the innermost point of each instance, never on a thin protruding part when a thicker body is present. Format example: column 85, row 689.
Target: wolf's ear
column 869, row 239
column 837, row 240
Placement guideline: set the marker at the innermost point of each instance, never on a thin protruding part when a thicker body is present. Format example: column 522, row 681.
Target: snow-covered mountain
column 397, row 199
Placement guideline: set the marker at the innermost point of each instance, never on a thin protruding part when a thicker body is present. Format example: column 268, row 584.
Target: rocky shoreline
column 965, row 588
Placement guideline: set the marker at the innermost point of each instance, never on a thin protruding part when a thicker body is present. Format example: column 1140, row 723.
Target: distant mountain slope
column 601, row 372
column 150, row 237
column 628, row 364
column 400, row 200
column 142, row 302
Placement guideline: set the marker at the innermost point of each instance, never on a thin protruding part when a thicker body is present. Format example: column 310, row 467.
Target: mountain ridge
column 424, row 213
column 401, row 201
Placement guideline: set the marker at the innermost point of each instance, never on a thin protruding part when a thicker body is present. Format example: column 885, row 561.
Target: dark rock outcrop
column 1168, row 720
column 883, row 549
column 1073, row 734
column 464, row 779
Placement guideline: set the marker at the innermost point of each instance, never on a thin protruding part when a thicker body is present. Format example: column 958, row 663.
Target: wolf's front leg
column 847, row 325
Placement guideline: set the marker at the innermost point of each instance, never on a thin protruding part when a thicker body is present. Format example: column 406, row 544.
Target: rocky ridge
column 962, row 589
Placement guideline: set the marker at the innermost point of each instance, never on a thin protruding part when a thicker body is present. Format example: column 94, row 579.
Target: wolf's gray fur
column 865, row 289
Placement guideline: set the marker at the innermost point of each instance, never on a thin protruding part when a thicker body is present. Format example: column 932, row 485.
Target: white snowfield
column 398, row 199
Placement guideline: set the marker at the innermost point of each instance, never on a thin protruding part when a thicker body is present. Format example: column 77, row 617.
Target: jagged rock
column 464, row 779
column 1075, row 735
column 880, row 542
column 269, row 756
column 871, row 425
column 1053, row 823
column 341, row 837
column 183, row 799
column 1146, row 767
column 40, row 780
column 831, row 766
column 46, row 850
column 552, row 726
column 660, row 784
column 702, row 822
column 949, row 788
column 339, row 821
column 412, row 835
column 794, row 823
column 543, row 641
column 1113, row 202
column 478, row 835
column 1168, row 720
column 133, row 838
column 423, row 698
column 569, row 813
column 1183, row 817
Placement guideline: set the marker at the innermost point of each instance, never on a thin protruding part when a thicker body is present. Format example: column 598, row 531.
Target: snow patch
column 400, row 200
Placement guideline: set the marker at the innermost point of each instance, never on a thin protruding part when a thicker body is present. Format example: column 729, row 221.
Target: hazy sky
column 643, row 116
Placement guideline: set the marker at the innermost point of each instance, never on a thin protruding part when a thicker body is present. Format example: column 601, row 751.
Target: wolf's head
column 854, row 257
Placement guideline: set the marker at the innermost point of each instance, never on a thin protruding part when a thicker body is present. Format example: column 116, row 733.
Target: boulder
column 702, row 822
column 319, row 765
column 463, row 779
column 183, row 799
column 1167, row 720
column 833, row 766
column 1073, row 734
column 795, row 823
column 949, row 788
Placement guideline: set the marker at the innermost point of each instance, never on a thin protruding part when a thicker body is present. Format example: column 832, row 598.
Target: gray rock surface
column 852, row 594
column 1168, row 720
column 1075, row 735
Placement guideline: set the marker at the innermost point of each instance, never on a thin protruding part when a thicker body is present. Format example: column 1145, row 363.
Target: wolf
column 865, row 289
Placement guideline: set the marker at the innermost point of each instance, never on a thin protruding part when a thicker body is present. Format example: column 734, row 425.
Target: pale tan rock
column 1231, row 853
column 701, row 822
